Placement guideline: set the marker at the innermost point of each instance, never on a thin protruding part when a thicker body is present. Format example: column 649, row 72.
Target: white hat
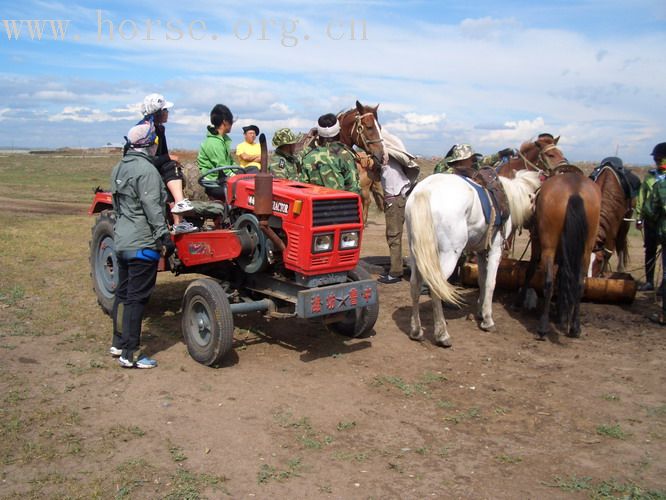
column 152, row 103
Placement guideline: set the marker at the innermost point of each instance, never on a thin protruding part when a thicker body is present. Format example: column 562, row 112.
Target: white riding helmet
column 152, row 103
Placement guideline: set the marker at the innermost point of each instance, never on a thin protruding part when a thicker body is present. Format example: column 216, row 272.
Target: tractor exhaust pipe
column 263, row 196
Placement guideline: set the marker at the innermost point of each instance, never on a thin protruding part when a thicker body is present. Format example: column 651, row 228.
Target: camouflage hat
column 460, row 152
column 284, row 136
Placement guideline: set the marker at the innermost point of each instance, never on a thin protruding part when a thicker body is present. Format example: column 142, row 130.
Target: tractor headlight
column 322, row 243
column 348, row 240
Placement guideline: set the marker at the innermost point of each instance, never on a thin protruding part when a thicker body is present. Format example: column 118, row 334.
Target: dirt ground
column 298, row 412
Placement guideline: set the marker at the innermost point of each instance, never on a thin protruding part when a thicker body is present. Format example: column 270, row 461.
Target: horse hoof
column 444, row 343
column 416, row 337
column 540, row 336
column 491, row 328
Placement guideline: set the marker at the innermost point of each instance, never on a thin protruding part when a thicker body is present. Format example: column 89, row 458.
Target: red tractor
column 284, row 248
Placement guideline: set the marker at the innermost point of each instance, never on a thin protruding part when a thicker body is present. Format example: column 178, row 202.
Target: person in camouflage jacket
column 330, row 163
column 285, row 162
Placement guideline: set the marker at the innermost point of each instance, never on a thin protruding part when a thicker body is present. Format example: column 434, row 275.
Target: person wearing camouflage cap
column 285, row 163
column 461, row 159
column 330, row 163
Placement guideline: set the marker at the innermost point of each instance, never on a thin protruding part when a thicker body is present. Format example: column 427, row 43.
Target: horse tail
column 570, row 257
column 424, row 248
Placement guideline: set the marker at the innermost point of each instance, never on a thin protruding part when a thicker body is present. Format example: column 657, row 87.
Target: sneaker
column 182, row 207
column 145, row 362
column 184, row 227
column 115, row 351
column 387, row 279
column 646, row 287
column 125, row 363
column 658, row 318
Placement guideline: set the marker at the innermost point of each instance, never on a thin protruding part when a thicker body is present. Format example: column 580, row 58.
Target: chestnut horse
column 616, row 206
column 567, row 221
column 360, row 127
column 541, row 155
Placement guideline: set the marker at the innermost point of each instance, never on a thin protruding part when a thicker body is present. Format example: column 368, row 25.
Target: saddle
column 622, row 177
column 485, row 180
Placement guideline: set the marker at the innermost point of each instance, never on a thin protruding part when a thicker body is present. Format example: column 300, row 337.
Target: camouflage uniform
column 331, row 165
column 283, row 165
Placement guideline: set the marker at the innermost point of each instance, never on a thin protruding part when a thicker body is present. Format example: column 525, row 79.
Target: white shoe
column 115, row 351
column 182, row 207
column 184, row 227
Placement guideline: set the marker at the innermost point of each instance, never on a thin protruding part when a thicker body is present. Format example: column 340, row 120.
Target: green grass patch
column 177, row 454
column 186, row 485
column 345, row 426
column 610, row 397
column 462, row 416
column 421, row 386
column 269, row 473
column 613, row 431
column 606, row 489
column 508, row 459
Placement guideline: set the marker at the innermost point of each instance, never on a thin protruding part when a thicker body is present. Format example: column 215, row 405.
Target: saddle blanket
column 486, row 203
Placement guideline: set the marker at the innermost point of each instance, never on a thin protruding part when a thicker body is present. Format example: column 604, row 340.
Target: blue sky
column 490, row 73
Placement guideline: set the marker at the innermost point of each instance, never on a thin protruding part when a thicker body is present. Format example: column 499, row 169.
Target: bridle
column 541, row 159
column 359, row 129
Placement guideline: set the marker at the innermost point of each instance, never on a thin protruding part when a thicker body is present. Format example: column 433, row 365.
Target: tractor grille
column 333, row 212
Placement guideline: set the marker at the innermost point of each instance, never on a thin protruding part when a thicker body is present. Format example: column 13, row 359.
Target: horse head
column 360, row 127
column 542, row 154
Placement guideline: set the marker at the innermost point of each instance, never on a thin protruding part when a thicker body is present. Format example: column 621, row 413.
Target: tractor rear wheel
column 207, row 324
column 103, row 263
column 357, row 322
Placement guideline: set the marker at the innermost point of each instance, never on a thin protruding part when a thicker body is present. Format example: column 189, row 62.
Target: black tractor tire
column 207, row 322
column 103, row 263
column 358, row 322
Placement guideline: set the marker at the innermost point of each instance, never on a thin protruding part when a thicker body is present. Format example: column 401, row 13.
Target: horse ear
column 556, row 139
column 374, row 110
column 359, row 107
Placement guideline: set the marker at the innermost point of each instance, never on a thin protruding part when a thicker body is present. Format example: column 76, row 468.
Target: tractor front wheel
column 103, row 263
column 208, row 324
column 361, row 321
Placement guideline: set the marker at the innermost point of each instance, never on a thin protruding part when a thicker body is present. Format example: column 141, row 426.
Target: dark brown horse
column 616, row 206
column 540, row 155
column 566, row 225
column 359, row 127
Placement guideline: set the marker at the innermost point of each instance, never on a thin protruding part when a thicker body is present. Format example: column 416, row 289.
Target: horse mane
column 520, row 193
column 526, row 146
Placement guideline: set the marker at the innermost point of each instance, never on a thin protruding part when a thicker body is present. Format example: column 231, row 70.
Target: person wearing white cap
column 140, row 236
column 155, row 109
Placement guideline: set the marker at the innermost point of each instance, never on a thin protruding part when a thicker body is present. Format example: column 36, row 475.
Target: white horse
column 444, row 218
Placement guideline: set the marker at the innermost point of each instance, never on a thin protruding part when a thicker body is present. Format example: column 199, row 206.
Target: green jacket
column 644, row 193
column 215, row 151
column 283, row 166
column 654, row 206
column 139, row 200
column 331, row 165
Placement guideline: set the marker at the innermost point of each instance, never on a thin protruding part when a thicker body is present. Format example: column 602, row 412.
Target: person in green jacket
column 215, row 151
column 646, row 220
column 139, row 235
column 330, row 163
column 654, row 210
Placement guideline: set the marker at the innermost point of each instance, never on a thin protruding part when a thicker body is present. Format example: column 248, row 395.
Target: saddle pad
column 485, row 201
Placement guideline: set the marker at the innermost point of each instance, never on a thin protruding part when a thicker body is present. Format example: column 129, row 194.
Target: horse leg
column 544, row 321
column 488, row 263
column 415, row 283
column 442, row 337
column 526, row 295
column 365, row 200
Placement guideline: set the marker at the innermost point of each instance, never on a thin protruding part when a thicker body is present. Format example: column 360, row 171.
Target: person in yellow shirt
column 248, row 151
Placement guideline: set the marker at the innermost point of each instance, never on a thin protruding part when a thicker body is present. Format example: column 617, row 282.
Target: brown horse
column 360, row 127
column 616, row 206
column 541, row 155
column 567, row 220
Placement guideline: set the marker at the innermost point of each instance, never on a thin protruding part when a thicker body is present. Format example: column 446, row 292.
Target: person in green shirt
column 215, row 150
